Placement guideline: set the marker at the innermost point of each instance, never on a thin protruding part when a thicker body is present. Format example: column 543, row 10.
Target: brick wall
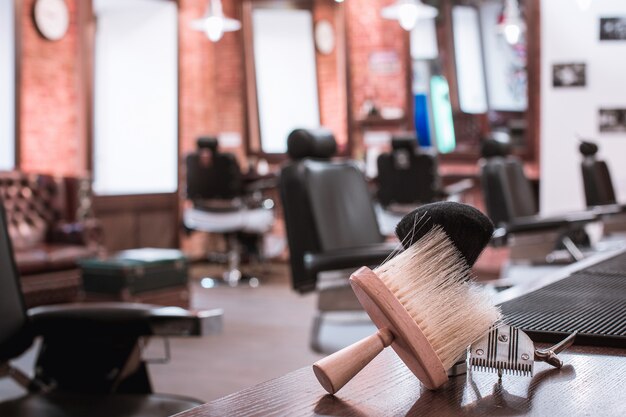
column 372, row 38
column 212, row 87
column 211, row 78
column 48, row 128
column 331, row 74
column 369, row 34
column 195, row 72
column 212, row 83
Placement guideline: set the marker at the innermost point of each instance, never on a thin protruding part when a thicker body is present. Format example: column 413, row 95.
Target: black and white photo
column 613, row 120
column 613, row 28
column 569, row 75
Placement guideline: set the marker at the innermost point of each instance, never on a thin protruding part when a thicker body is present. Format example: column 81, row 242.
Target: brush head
column 431, row 280
column 468, row 228
column 424, row 295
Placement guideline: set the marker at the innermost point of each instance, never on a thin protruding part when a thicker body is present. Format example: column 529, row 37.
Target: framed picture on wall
column 569, row 75
column 613, row 28
column 612, row 120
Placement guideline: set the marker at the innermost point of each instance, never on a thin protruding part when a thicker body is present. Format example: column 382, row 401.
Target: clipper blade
column 505, row 350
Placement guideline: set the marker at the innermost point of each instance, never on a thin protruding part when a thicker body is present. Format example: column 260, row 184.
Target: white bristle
column 431, row 280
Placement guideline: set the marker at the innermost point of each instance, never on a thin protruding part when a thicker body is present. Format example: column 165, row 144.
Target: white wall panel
column 571, row 35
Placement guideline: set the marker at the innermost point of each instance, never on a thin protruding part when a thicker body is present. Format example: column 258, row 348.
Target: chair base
column 614, row 223
column 332, row 331
column 231, row 278
column 340, row 320
column 537, row 248
column 234, row 276
column 532, row 248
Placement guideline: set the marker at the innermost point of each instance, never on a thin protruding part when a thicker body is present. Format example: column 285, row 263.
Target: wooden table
column 593, row 383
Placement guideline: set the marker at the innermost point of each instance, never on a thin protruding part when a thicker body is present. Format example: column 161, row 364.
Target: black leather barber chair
column 331, row 231
column 599, row 191
column 408, row 177
column 512, row 206
column 223, row 204
column 89, row 363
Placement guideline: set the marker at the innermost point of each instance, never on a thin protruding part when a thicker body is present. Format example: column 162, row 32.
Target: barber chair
column 223, row 204
column 89, row 363
column 408, row 177
column 599, row 191
column 512, row 206
column 332, row 230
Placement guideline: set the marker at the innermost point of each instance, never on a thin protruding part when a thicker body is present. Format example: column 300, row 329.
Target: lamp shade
column 408, row 12
column 214, row 24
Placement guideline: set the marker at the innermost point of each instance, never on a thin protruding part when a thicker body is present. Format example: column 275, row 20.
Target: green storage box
column 135, row 271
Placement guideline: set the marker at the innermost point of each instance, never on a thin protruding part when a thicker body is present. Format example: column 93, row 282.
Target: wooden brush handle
column 334, row 371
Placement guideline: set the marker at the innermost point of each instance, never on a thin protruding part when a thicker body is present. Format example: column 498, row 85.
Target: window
column 7, row 85
column 135, row 97
column 285, row 72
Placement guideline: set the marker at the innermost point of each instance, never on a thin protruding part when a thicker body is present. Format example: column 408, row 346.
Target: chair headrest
column 407, row 142
column 311, row 143
column 491, row 148
column 588, row 148
column 207, row 142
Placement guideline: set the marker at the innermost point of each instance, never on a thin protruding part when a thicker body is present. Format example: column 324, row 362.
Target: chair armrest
column 87, row 233
column 499, row 238
column 538, row 223
column 130, row 319
column 265, row 183
column 608, row 209
column 458, row 187
column 315, row 263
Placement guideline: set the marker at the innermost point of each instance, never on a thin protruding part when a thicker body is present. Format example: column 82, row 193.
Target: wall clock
column 324, row 37
column 52, row 18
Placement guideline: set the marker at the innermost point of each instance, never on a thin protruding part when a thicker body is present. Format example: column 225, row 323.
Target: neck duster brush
column 422, row 300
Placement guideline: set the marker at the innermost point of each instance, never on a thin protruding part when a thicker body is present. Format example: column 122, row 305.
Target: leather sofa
column 51, row 226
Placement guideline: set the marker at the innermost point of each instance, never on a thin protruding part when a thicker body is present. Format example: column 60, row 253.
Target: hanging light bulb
column 214, row 28
column 512, row 33
column 510, row 23
column 408, row 12
column 214, row 24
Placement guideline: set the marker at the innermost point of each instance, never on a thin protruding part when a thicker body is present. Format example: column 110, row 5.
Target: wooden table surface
column 592, row 383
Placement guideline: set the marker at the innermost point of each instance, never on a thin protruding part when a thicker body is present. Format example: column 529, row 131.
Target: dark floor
column 266, row 334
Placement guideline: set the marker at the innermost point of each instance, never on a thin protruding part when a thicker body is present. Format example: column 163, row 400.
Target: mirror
column 135, row 97
column 486, row 69
column 296, row 72
column 285, row 73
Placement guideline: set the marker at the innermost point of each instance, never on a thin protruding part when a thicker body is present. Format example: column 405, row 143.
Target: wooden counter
column 470, row 169
column 592, row 383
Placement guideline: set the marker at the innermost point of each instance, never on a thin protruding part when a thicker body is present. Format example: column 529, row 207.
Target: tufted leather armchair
column 51, row 226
